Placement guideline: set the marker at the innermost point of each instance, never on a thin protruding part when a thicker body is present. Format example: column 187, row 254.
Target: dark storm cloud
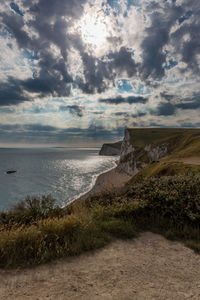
column 123, row 61
column 170, row 108
column 95, row 73
column 48, row 134
column 98, row 72
column 49, row 29
column 73, row 109
column 53, row 77
column 157, row 36
column 121, row 114
column 98, row 112
column 11, row 93
column 129, row 115
column 120, row 100
column 139, row 114
column 189, row 105
column 14, row 25
column 9, row 127
column 49, row 26
column 166, row 96
column 39, row 128
column 165, row 109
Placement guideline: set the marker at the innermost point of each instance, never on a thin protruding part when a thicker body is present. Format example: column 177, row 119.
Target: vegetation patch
column 164, row 167
column 36, row 231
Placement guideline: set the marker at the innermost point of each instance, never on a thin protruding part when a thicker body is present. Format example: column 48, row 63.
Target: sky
column 79, row 72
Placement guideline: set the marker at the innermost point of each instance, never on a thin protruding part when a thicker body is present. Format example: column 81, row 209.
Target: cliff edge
column 143, row 146
column 111, row 149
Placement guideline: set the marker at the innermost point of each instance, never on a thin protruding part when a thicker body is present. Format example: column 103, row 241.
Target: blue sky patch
column 171, row 64
column 185, row 17
column 142, row 90
column 29, row 55
column 15, row 7
column 124, row 86
column 114, row 4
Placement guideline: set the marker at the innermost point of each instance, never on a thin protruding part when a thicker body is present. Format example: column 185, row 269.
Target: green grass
column 180, row 142
column 169, row 205
column 139, row 137
column 164, row 168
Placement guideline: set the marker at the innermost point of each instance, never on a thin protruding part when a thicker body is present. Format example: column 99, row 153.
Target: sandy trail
column 190, row 160
column 149, row 267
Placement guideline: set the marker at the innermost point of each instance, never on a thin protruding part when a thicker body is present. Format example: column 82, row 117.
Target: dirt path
column 190, row 160
column 149, row 267
column 193, row 160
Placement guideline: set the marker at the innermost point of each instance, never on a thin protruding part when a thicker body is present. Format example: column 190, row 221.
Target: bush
column 36, row 231
column 30, row 210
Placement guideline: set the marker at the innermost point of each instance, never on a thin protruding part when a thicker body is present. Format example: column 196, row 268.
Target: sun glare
column 93, row 30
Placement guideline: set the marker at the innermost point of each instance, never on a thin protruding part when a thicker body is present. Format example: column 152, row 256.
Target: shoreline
column 111, row 180
column 83, row 194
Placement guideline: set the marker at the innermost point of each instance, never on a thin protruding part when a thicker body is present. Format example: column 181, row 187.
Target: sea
column 63, row 173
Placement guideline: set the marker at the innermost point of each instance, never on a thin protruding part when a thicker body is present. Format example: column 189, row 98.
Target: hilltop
column 141, row 147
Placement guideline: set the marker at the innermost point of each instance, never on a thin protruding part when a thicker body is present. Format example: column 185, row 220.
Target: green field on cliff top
column 163, row 197
column 183, row 142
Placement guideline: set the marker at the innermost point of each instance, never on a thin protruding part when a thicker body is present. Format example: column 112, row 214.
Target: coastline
column 111, row 180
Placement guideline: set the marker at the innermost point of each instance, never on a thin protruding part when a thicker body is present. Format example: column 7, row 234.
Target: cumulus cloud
column 47, row 54
column 11, row 93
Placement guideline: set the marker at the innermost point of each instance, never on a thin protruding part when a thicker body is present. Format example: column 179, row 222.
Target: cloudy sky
column 78, row 72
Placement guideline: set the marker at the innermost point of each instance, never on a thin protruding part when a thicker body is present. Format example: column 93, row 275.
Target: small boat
column 11, row 172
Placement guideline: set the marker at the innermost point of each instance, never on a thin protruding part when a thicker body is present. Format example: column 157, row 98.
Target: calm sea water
column 64, row 173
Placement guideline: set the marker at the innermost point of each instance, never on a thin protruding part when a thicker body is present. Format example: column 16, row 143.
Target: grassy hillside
column 173, row 145
column 182, row 142
column 164, row 167
column 163, row 197
column 142, row 136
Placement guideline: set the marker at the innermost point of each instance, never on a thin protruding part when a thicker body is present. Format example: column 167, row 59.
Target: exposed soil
column 149, row 267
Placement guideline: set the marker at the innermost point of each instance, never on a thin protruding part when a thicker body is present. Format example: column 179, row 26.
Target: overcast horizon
column 78, row 73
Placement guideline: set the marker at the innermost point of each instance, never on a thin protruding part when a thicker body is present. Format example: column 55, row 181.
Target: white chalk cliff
column 133, row 158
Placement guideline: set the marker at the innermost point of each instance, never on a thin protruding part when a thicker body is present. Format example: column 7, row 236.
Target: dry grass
column 169, row 205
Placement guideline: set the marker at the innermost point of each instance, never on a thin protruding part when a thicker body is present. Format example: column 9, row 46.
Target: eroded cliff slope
column 143, row 146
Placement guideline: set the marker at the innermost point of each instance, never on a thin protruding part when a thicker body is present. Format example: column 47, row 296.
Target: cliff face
column 111, row 149
column 134, row 157
column 142, row 146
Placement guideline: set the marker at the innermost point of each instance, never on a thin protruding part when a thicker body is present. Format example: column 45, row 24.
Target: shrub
column 30, row 210
column 36, row 231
